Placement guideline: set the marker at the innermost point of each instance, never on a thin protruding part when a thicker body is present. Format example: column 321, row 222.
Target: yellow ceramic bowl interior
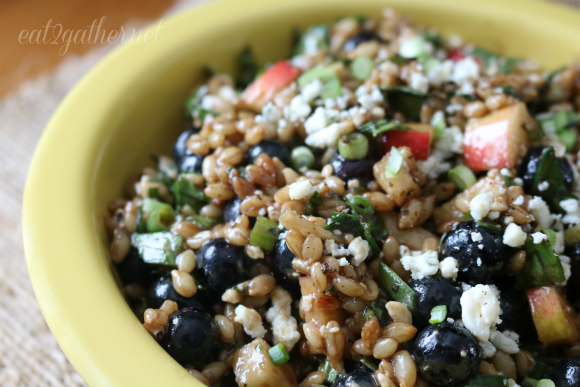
column 130, row 106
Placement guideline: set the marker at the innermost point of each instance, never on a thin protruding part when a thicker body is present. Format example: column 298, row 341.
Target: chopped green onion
column 569, row 138
column 412, row 47
column 551, row 235
column 317, row 36
column 187, row 193
column 265, row 233
column 160, row 248
column 362, row 68
column 322, row 73
column 369, row 313
column 462, row 177
column 279, row 354
column 377, row 308
column 361, row 206
column 331, row 89
column 370, row 362
column 202, row 221
column 353, row 146
column 438, row 314
column 545, row 383
column 396, row 287
column 374, row 128
column 159, row 215
column 311, row 203
column 438, row 123
column 394, row 163
column 302, row 157
column 572, row 235
column 330, row 373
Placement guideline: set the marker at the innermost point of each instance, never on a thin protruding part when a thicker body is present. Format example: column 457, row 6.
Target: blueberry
column 134, row 270
column 162, row 289
column 191, row 336
column 352, row 169
column 573, row 286
column 272, row 148
column 478, row 260
column 433, row 291
column 530, row 163
column 232, row 209
column 446, row 354
column 363, row 37
column 359, row 377
column 282, row 259
column 567, row 373
column 186, row 161
column 222, row 264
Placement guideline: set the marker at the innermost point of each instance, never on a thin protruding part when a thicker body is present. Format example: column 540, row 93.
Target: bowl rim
column 93, row 357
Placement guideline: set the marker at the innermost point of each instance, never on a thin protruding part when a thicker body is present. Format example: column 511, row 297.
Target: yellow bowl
column 130, row 106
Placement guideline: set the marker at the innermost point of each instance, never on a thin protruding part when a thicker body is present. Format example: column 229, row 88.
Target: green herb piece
column 372, row 226
column 361, row 206
column 362, row 68
column 265, row 233
column 369, row 313
column 203, row 221
column 490, row 225
column 406, row 100
column 279, row 354
column 505, row 65
column 193, row 106
column 159, row 248
column 509, row 181
column 542, row 267
column 572, row 235
column 186, row 193
column 398, row 60
column 317, row 37
column 375, row 128
column 353, row 146
column 247, row 68
column 394, row 163
column 462, row 177
column 438, row 123
column 320, row 72
column 377, row 308
column 302, row 157
column 438, row 314
column 345, row 222
column 331, row 89
column 330, row 373
column 434, row 38
column 397, row 289
column 548, row 171
column 153, row 193
column 551, row 235
column 370, row 362
column 160, row 216
column 412, row 47
column 488, row 381
column 311, row 203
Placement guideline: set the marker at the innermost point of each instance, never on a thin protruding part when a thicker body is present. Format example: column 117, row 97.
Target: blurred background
column 45, row 48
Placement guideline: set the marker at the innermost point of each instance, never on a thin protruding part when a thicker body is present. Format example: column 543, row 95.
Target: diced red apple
column 497, row 140
column 263, row 89
column 553, row 316
column 418, row 138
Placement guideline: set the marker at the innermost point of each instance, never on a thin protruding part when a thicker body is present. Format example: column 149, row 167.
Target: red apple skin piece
column 553, row 316
column 418, row 138
column 497, row 140
column 263, row 89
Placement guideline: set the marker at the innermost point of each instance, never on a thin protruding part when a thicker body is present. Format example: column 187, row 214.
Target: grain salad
column 388, row 207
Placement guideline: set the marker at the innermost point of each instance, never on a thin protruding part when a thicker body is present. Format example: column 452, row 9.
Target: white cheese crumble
column 369, row 100
column 519, row 201
column 284, row 326
column 493, row 215
column 514, row 236
column 440, row 72
column 326, row 137
column 538, row 207
column 298, row 108
column 559, row 246
column 335, row 249
column 480, row 205
column 312, row 90
column 451, row 141
column 307, row 302
column 271, row 113
column 343, row 262
column 538, row 237
column 421, row 264
column 250, row 320
column 448, row 268
column 419, row 82
column 359, row 249
column 544, row 185
column 572, row 211
column 566, row 266
column 300, row 190
column 476, row 236
column 435, row 165
column 465, row 69
column 480, row 310
column 506, row 341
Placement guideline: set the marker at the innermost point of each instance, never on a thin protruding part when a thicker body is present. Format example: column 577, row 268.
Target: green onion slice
column 302, row 157
column 551, row 235
column 160, row 248
column 265, row 233
column 462, row 177
column 279, row 354
column 362, row 68
column 572, row 235
column 353, row 146
column 159, row 215
column 438, row 314
column 412, row 47
column 394, row 163
column 545, row 383
column 331, row 89
column 323, row 74
column 330, row 373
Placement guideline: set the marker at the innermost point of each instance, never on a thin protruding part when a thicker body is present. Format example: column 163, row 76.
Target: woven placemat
column 29, row 354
